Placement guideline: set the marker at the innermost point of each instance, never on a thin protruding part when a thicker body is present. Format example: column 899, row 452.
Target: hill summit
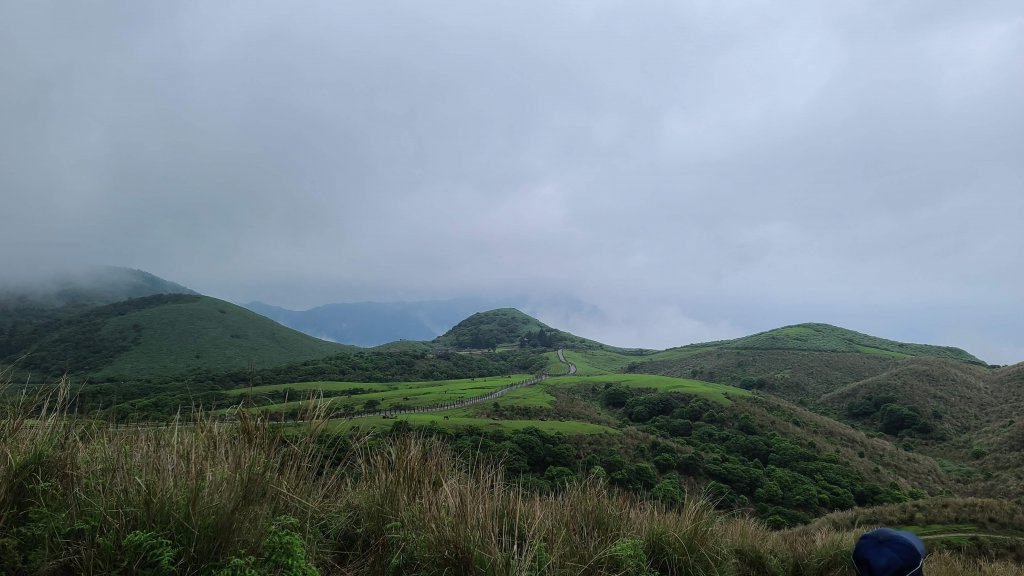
column 508, row 327
column 827, row 338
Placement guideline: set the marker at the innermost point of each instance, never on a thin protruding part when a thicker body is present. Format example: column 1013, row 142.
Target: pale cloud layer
column 696, row 170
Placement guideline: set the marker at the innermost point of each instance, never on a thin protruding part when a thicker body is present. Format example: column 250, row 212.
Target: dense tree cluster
column 890, row 415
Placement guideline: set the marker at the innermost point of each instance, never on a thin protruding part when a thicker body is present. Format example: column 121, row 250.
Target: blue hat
column 888, row 552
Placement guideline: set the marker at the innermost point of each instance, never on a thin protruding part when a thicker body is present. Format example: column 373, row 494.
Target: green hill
column 28, row 308
column 507, row 327
column 935, row 397
column 801, row 363
column 826, row 338
column 164, row 335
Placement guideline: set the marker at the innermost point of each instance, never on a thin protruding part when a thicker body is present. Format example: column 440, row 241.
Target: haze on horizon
column 684, row 171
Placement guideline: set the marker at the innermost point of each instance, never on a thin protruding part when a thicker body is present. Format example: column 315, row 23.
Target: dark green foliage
column 891, row 416
column 895, row 418
column 487, row 330
column 510, row 327
column 723, row 448
column 161, row 336
column 283, row 552
column 642, row 408
column 781, row 478
column 79, row 343
column 669, row 492
column 616, row 396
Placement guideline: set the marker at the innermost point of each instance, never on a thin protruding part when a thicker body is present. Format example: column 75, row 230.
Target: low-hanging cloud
column 694, row 169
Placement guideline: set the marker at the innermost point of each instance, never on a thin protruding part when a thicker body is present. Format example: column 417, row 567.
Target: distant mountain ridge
column 370, row 324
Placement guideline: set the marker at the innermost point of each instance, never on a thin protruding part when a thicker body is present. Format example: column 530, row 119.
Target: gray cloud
column 695, row 169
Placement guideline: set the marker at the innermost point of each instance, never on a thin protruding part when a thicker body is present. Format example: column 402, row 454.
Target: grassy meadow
column 245, row 498
column 353, row 396
column 718, row 393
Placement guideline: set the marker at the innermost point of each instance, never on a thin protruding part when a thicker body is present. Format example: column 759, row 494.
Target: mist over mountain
column 84, row 286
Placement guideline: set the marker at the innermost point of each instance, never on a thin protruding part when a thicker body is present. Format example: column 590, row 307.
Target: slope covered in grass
column 717, row 393
column 827, row 338
column 351, row 397
column 31, row 308
column 510, row 327
column 243, row 498
column 167, row 335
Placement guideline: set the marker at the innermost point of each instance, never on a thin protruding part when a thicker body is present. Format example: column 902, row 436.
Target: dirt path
column 561, row 358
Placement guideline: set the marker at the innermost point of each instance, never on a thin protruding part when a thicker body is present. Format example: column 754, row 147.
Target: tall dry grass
column 209, row 498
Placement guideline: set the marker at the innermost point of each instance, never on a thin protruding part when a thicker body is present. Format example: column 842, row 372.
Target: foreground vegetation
column 251, row 498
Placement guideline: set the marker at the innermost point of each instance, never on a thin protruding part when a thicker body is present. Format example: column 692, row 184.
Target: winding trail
column 572, row 367
column 464, row 402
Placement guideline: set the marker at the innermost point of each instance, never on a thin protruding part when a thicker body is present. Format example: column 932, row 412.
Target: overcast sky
column 693, row 169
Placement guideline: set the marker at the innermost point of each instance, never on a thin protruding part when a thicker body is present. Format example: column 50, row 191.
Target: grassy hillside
column 802, row 363
column 938, row 398
column 928, row 400
column 797, row 375
column 351, row 397
column 975, row 526
column 644, row 430
column 30, row 309
column 166, row 335
column 507, row 327
column 242, row 498
column 826, row 338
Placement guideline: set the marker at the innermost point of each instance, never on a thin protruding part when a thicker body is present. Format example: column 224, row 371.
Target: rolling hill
column 508, row 327
column 801, row 363
column 826, row 338
column 161, row 336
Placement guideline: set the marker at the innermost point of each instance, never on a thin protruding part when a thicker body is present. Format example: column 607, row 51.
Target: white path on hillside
column 561, row 358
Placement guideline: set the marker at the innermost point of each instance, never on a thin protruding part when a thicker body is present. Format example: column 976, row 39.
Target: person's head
column 888, row 552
